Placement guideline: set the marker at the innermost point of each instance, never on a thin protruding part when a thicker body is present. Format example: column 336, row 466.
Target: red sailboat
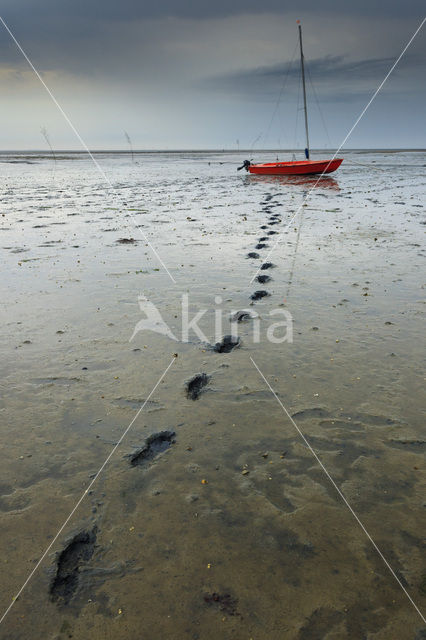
column 296, row 167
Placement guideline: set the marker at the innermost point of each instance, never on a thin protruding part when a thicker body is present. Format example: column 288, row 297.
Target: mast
column 304, row 90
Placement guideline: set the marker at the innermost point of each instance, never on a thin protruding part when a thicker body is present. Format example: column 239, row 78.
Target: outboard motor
column 245, row 165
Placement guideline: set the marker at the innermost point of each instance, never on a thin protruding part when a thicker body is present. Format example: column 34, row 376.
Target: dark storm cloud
column 74, row 35
column 89, row 11
column 60, row 21
column 179, row 73
column 356, row 76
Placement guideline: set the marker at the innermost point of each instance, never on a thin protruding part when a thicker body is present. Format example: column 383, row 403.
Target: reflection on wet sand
column 311, row 182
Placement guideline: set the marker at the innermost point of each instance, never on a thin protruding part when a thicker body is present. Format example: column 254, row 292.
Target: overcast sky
column 205, row 74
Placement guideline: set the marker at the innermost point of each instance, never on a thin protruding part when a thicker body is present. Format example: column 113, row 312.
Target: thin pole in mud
column 129, row 142
column 45, row 135
column 86, row 148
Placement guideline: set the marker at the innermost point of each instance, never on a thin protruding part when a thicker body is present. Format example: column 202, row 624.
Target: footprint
column 227, row 344
column 257, row 295
column 241, row 316
column 195, row 385
column 76, row 553
column 267, row 265
column 263, row 278
column 261, row 246
column 253, row 254
column 154, row 445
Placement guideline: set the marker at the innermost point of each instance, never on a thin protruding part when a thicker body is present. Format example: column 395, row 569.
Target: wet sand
column 225, row 527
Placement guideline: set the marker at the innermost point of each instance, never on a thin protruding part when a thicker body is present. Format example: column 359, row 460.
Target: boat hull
column 301, row 167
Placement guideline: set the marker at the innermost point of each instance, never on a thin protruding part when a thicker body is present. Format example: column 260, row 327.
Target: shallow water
column 264, row 548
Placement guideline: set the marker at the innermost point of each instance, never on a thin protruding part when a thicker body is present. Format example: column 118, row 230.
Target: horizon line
column 210, row 150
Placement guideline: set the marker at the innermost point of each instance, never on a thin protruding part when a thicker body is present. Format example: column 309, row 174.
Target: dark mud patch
column 223, row 601
column 77, row 553
column 126, row 241
column 308, row 414
column 55, row 380
column 154, row 445
column 258, row 295
column 272, row 492
column 227, row 344
column 253, row 254
column 346, row 450
column 137, row 403
column 196, row 384
column 422, row 585
column 50, row 243
column 416, row 446
column 370, row 419
column 18, row 250
column 263, row 278
column 364, row 618
column 267, row 265
column 319, row 623
column 14, row 502
column 290, row 542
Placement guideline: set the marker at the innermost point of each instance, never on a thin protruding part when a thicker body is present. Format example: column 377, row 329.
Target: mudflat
column 212, row 518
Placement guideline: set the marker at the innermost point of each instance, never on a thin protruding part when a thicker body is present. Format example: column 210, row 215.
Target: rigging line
column 254, row 141
column 318, row 104
column 297, row 113
column 361, row 115
column 289, row 67
column 363, row 164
